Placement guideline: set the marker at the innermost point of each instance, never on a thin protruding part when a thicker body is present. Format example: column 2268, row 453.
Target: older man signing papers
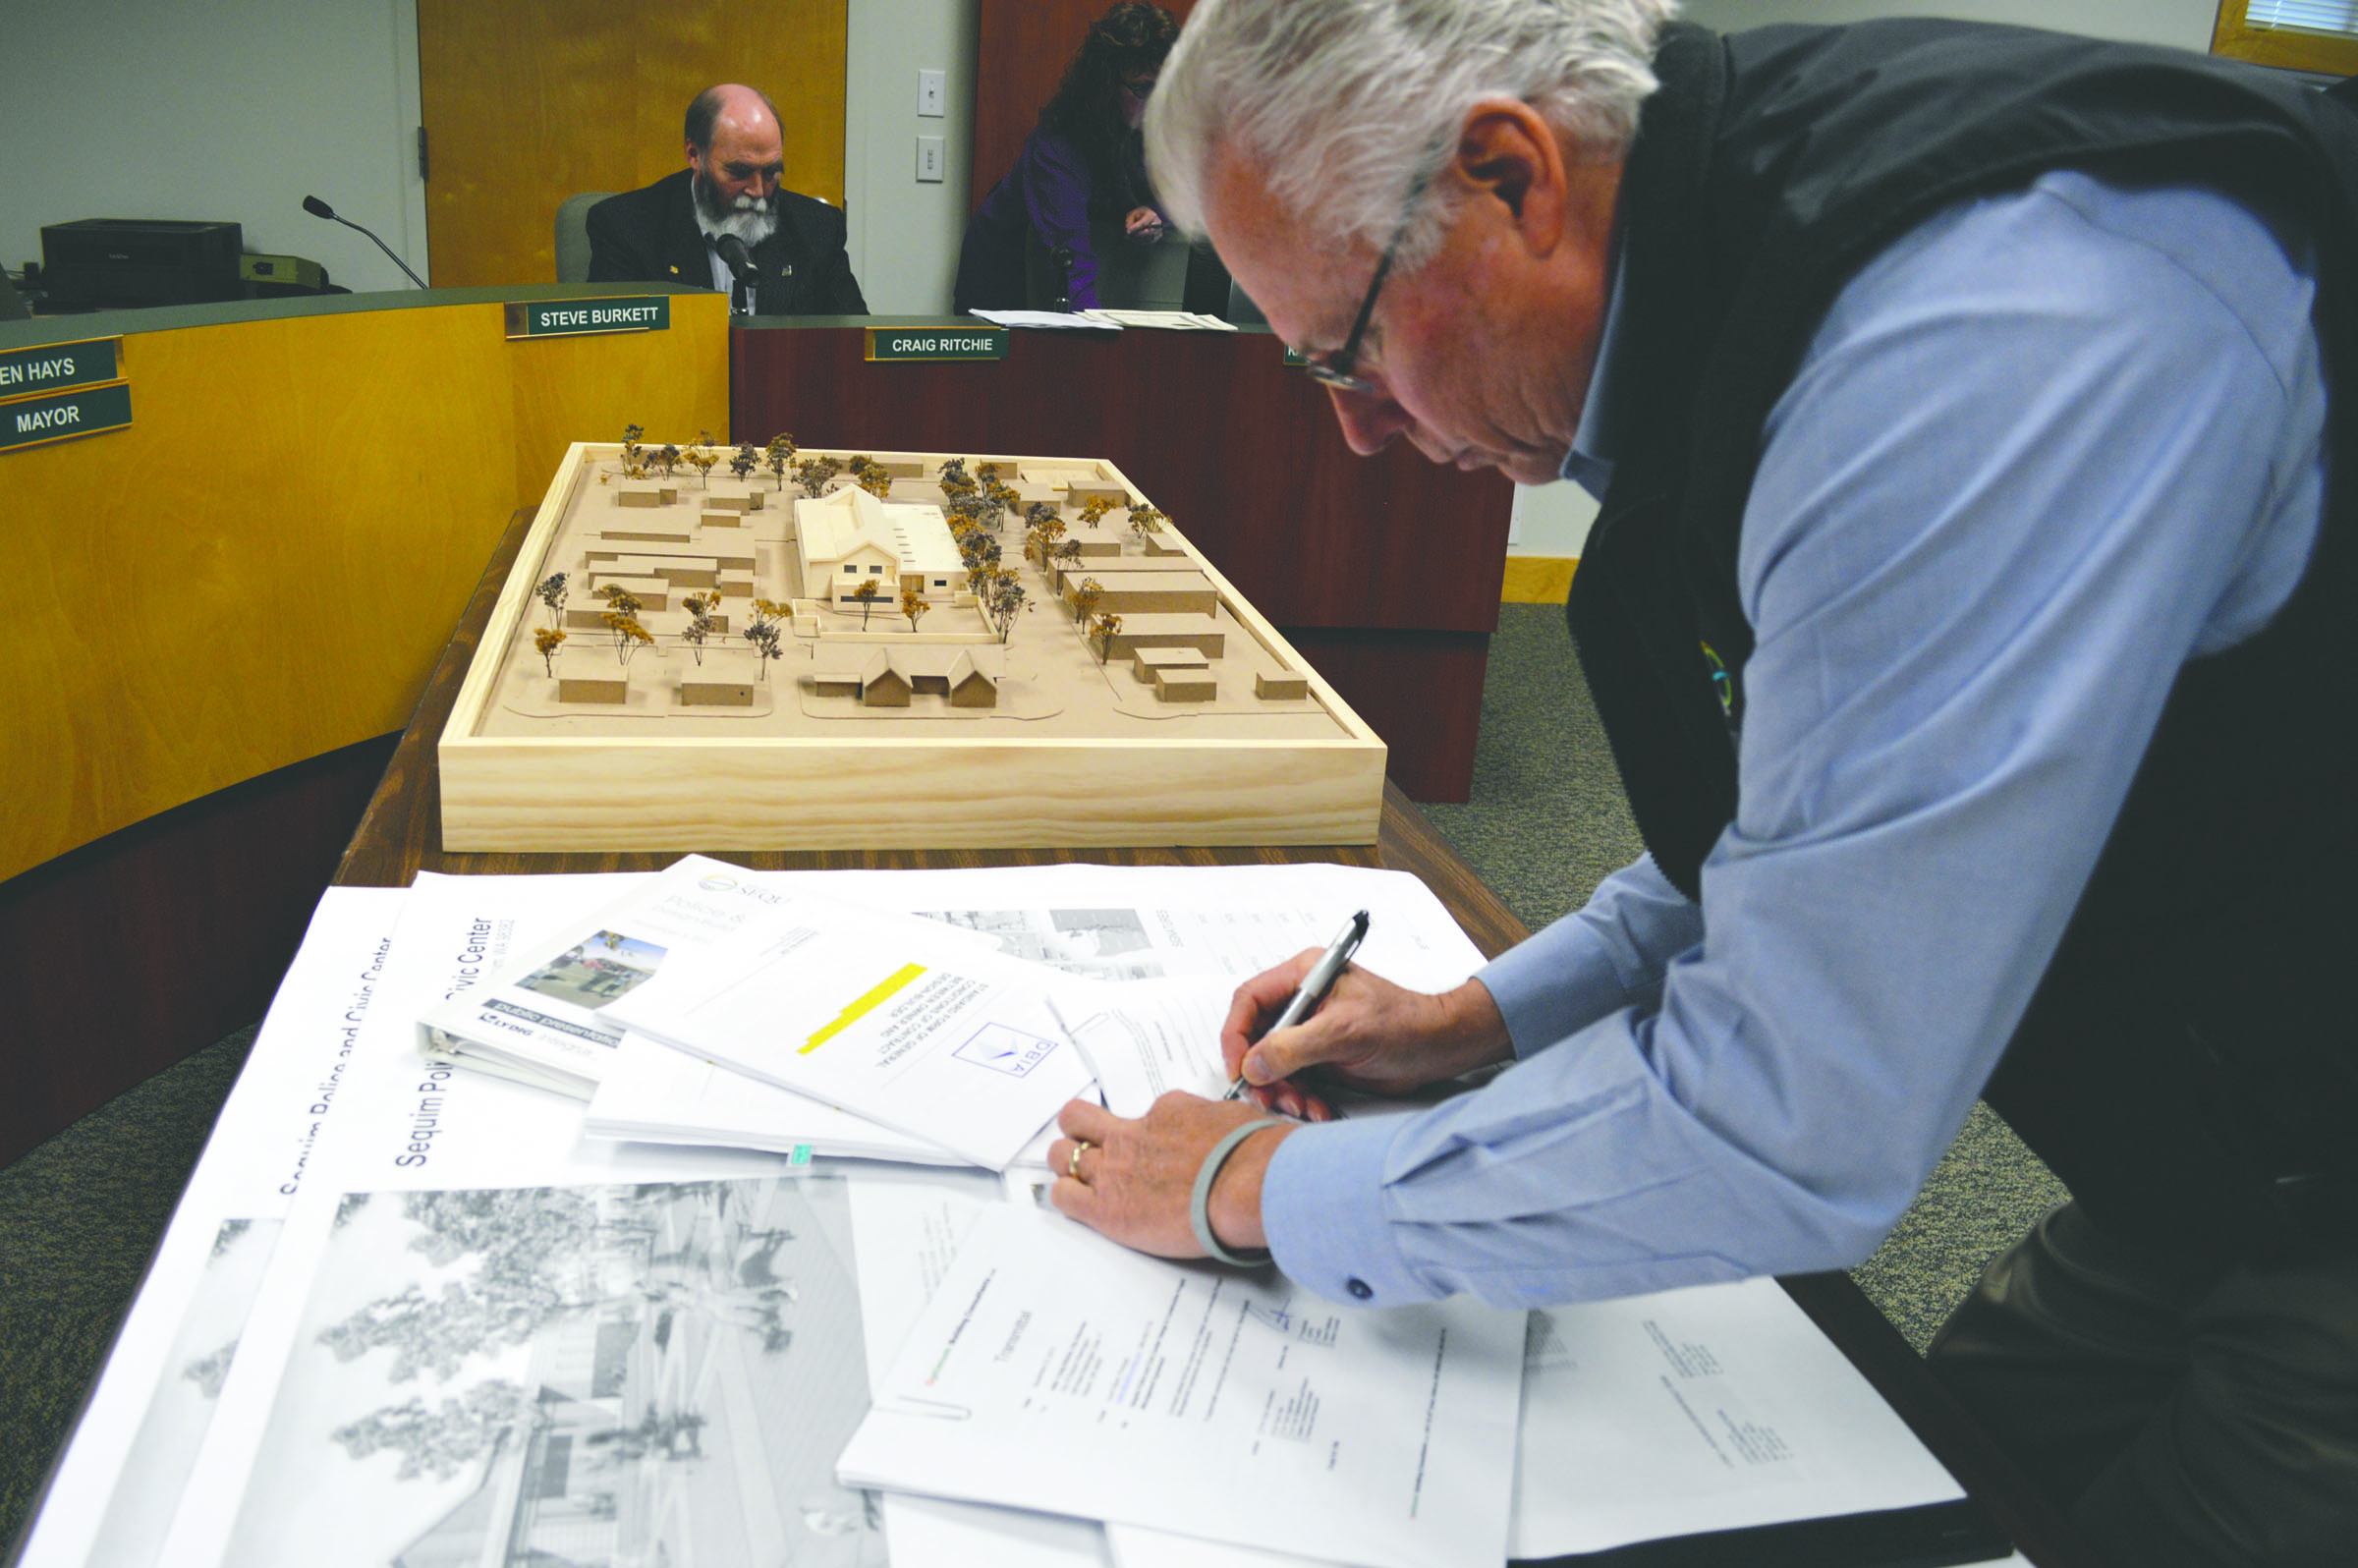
column 1963, row 612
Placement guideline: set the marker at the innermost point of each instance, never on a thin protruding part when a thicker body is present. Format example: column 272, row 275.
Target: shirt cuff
column 1322, row 1208
column 1553, row 985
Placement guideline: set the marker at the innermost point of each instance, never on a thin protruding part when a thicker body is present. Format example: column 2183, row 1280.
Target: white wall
column 903, row 235
column 225, row 109
column 1552, row 519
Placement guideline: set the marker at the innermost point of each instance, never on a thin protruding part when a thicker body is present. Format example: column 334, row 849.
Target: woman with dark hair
column 1082, row 160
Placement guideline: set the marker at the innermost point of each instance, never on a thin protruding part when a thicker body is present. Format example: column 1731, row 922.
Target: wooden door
column 1023, row 48
column 531, row 101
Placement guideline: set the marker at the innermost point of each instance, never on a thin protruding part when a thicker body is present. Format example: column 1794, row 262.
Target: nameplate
column 1295, row 356
column 62, row 416
column 938, row 343
column 58, row 367
column 573, row 319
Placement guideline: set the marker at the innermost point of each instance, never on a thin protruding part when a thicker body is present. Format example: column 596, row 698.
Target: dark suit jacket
column 651, row 236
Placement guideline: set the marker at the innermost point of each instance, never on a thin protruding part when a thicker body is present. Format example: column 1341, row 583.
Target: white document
column 1713, row 1408
column 543, row 1016
column 1070, row 320
column 1056, row 1371
column 887, row 1017
column 639, row 1373
column 653, row 1092
column 907, row 1227
column 120, row 1475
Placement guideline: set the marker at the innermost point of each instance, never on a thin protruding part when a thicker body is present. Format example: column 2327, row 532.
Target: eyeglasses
column 1140, row 88
column 1336, row 371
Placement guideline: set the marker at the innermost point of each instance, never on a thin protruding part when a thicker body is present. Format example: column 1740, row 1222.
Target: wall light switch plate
column 932, row 88
column 929, row 160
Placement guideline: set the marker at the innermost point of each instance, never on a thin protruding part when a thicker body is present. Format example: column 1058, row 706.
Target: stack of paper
column 409, row 1312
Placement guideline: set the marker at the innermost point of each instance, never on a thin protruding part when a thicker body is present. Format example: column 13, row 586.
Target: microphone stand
column 320, row 209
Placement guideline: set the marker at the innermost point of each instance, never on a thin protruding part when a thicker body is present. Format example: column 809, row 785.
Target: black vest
column 2189, row 1063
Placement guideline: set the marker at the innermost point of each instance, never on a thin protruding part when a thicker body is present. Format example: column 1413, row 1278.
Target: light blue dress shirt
column 2041, row 452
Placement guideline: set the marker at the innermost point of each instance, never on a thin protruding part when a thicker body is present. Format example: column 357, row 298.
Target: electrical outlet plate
column 930, row 159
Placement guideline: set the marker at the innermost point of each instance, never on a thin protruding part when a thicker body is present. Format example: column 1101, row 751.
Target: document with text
column 1054, row 1370
column 888, row 1017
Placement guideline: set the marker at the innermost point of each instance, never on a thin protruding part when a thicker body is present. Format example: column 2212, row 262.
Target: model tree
column 763, row 637
column 868, row 594
column 544, row 642
column 1002, row 498
column 1042, row 536
column 987, row 474
column 1040, row 511
column 703, row 457
column 552, row 590
column 1094, row 510
column 1066, row 556
column 700, row 623
column 1102, row 632
column 953, row 477
column 1001, row 596
column 747, row 459
column 629, row 635
column 1085, row 598
column 875, row 482
column 633, row 456
column 668, row 458
column 778, row 454
column 813, row 472
column 1146, row 519
column 913, row 604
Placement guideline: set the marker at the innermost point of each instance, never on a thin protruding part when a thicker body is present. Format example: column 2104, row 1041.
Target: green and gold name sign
column 58, row 367
column 62, row 416
column 938, row 343
column 566, row 318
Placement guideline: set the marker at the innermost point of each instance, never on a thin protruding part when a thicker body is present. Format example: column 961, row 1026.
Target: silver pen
column 1315, row 985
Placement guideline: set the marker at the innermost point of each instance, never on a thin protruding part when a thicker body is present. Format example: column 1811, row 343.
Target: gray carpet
column 81, row 1214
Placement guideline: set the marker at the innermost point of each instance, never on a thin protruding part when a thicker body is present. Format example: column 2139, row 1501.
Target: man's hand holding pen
column 1136, row 1180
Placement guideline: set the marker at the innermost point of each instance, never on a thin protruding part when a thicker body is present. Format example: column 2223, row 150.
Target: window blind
column 2306, row 15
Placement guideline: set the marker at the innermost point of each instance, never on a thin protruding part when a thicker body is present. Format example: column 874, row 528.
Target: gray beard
column 752, row 222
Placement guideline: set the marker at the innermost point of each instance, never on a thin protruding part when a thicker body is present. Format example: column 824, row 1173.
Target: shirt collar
column 1601, row 437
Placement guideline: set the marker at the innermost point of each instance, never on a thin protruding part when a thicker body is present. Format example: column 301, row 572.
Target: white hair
column 1342, row 106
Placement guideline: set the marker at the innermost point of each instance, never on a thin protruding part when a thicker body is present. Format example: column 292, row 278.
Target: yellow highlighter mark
column 882, row 992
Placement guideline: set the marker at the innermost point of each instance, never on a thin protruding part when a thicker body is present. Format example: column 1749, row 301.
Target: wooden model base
column 1195, row 724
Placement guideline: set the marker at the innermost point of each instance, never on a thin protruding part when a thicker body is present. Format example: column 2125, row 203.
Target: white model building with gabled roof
column 850, row 536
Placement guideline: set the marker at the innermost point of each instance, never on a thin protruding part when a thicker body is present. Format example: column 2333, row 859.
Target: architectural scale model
column 703, row 648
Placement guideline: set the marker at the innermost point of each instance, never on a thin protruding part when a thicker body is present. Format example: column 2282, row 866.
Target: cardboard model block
column 1169, row 630
column 1286, row 687
column 716, row 518
column 1130, row 593
column 637, row 494
column 615, row 688
column 647, row 535
column 1147, row 663
column 689, row 574
column 1185, row 685
column 696, row 693
column 1164, row 544
column 883, row 683
column 749, row 501
column 1080, row 492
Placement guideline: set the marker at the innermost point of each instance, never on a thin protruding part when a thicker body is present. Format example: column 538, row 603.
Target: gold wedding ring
column 1072, row 1163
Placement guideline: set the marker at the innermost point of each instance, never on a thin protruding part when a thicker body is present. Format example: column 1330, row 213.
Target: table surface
column 401, row 835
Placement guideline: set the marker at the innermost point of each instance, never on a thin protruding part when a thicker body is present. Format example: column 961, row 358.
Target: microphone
column 738, row 259
column 740, row 262
column 320, row 209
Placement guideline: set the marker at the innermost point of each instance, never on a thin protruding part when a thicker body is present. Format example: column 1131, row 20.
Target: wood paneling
column 529, row 102
column 1244, row 454
column 1023, row 48
column 263, row 568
